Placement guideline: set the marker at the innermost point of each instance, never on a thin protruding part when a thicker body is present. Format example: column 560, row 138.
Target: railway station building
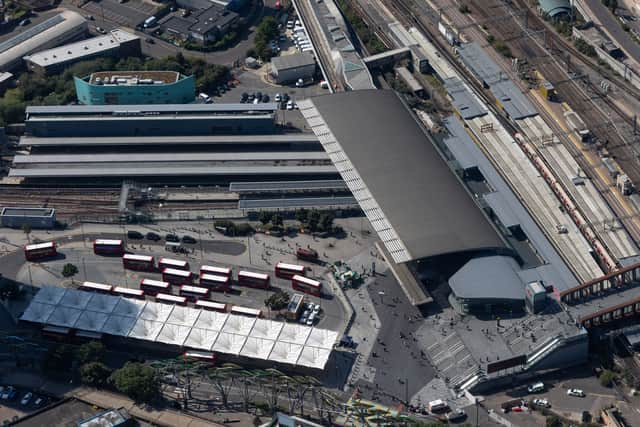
column 135, row 87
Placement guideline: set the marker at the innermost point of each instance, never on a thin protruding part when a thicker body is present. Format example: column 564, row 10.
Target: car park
column 132, row 234
column 26, row 399
column 543, row 403
column 576, row 392
column 153, row 236
column 188, row 239
column 171, row 238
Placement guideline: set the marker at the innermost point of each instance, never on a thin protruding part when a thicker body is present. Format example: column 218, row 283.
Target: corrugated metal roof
column 32, row 141
column 296, row 60
column 463, row 100
column 148, row 108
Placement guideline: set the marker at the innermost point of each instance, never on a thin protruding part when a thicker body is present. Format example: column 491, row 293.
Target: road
column 612, row 26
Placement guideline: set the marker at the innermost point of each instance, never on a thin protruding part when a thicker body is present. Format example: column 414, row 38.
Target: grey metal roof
column 414, row 201
column 291, row 138
column 488, row 278
column 184, row 117
column 170, row 157
column 286, row 62
column 555, row 7
column 169, row 170
column 297, row 202
column 40, row 212
column 503, row 89
column 463, row 100
column 148, row 108
column 281, row 186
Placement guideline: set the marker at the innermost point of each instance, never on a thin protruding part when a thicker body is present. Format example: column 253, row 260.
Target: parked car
column 259, row 96
column 311, row 319
column 575, row 392
column 25, row 22
column 9, row 393
column 39, row 402
column 456, row 415
column 150, row 40
column 543, row 403
column 26, row 399
column 316, row 308
column 244, row 96
column 290, row 105
column 132, row 234
column 188, row 239
column 303, row 318
column 265, row 98
column 171, row 238
column 153, row 236
column 536, row 388
column 277, row 98
column 89, row 17
column 101, row 30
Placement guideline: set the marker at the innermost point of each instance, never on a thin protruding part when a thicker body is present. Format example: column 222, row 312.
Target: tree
column 265, row 217
column 606, row 378
column 277, row 220
column 278, row 300
column 26, row 229
column 9, row 290
column 326, row 221
column 92, row 351
column 137, row 381
column 94, row 374
column 69, row 270
column 58, row 360
column 302, row 215
column 314, row 219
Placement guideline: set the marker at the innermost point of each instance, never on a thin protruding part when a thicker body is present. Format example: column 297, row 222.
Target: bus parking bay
column 109, row 270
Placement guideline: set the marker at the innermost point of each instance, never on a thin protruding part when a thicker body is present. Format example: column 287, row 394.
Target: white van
column 536, row 388
column 437, row 406
column 204, row 97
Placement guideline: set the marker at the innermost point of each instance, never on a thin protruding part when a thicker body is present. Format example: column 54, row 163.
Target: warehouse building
column 204, row 26
column 16, row 217
column 135, row 87
column 59, row 29
column 290, row 68
column 149, row 120
column 117, row 43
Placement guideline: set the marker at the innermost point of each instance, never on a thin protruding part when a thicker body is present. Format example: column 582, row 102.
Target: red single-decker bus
column 129, row 293
column 177, row 264
column 138, row 262
column 253, row 280
column 108, row 247
column 287, row 271
column 40, row 251
column 153, row 287
column 215, row 283
column 171, row 299
column 96, row 287
column 211, row 305
column 306, row 285
column 177, row 277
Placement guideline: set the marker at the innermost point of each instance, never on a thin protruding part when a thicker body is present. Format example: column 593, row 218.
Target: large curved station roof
column 414, row 201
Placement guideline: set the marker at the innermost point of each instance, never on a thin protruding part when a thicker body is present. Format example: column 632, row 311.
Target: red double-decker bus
column 253, row 280
column 129, row 293
column 177, row 277
column 153, row 287
column 177, row 264
column 287, row 271
column 171, row 299
column 193, row 293
column 306, row 285
column 211, row 305
column 40, row 251
column 217, row 271
column 138, row 262
column 215, row 283
column 108, row 247
column 96, row 287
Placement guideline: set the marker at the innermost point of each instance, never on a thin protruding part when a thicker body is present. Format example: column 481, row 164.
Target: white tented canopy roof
column 257, row 348
column 240, row 325
column 103, row 303
column 64, row 316
column 267, row 329
column 75, row 299
column 173, row 334
column 229, row 343
column 183, row 316
column 92, row 321
column 145, row 329
column 285, row 352
column 37, row 312
column 118, row 325
column 156, row 312
column 49, row 295
column 129, row 307
column 322, row 338
column 314, row 357
column 192, row 328
column 211, row 320
column 202, row 339
column 294, row 333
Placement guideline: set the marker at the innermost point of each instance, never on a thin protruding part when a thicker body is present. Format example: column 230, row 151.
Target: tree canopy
column 138, row 381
